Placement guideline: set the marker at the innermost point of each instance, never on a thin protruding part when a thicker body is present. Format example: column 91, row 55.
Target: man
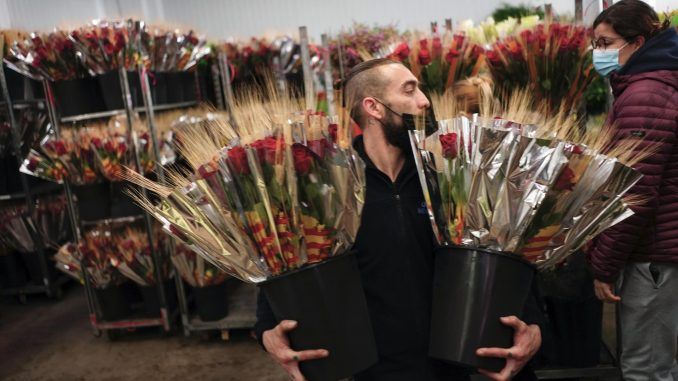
column 394, row 244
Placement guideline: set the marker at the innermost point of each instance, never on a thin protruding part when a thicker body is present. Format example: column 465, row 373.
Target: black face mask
column 397, row 131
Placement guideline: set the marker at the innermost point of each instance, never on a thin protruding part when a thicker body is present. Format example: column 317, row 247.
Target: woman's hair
column 470, row 92
column 631, row 19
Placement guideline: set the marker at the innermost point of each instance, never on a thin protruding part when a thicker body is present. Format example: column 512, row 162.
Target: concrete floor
column 52, row 340
column 49, row 340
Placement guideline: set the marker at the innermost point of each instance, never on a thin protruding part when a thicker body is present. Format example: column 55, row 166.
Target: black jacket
column 395, row 254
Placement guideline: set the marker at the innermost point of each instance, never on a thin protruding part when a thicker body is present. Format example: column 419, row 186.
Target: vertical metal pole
column 279, row 75
column 216, row 83
column 226, row 87
column 329, row 83
column 309, row 92
column 578, row 12
column 28, row 198
column 150, row 119
column 72, row 214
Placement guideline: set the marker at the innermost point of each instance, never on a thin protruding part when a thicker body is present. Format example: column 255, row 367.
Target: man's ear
column 372, row 108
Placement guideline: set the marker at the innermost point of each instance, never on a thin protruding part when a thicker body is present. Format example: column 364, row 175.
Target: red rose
column 108, row 146
column 36, row 61
column 402, row 51
column 458, row 40
column 238, row 159
column 32, row 164
column 122, row 148
column 493, row 57
column 477, row 51
column 424, row 57
column 449, row 143
column 423, row 44
column 303, row 159
column 96, row 142
column 564, row 181
column 451, row 55
column 109, row 48
column 268, row 150
column 60, row 148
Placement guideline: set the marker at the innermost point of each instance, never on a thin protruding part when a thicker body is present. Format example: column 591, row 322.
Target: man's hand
column 278, row 346
column 526, row 342
column 604, row 291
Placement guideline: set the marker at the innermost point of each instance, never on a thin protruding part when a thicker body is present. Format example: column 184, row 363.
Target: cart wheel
column 112, row 334
column 225, row 335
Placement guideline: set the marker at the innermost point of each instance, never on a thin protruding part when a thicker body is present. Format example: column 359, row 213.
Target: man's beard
column 395, row 132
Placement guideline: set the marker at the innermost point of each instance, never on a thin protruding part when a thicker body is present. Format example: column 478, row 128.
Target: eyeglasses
column 604, row 42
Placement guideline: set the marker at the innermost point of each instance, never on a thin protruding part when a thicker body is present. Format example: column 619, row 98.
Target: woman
column 640, row 56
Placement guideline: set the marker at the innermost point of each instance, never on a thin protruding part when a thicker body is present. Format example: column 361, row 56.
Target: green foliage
column 516, row 11
column 596, row 95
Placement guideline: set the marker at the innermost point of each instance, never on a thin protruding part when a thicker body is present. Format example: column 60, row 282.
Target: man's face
column 402, row 93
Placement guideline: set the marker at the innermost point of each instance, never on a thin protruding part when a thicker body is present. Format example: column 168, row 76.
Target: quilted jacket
column 646, row 106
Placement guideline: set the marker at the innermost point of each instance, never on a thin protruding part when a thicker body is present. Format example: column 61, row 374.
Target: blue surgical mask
column 606, row 61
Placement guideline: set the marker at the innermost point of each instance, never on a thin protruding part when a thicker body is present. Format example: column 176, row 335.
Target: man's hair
column 364, row 80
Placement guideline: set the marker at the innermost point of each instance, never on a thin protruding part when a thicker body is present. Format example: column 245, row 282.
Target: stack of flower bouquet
column 279, row 205
column 507, row 191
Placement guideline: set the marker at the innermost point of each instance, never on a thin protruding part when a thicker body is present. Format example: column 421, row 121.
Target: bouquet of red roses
column 283, row 194
column 101, row 46
column 50, row 56
column 495, row 183
column 438, row 62
column 552, row 60
column 133, row 255
column 195, row 270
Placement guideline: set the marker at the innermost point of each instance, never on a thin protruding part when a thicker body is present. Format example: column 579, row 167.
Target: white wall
column 221, row 19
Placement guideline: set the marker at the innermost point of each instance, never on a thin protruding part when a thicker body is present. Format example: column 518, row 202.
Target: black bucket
column 175, row 87
column 79, row 96
column 211, row 302
column 112, row 303
column 152, row 301
column 34, row 267
column 472, row 289
column 328, row 302
column 190, row 86
column 112, row 92
column 158, row 84
column 12, row 272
